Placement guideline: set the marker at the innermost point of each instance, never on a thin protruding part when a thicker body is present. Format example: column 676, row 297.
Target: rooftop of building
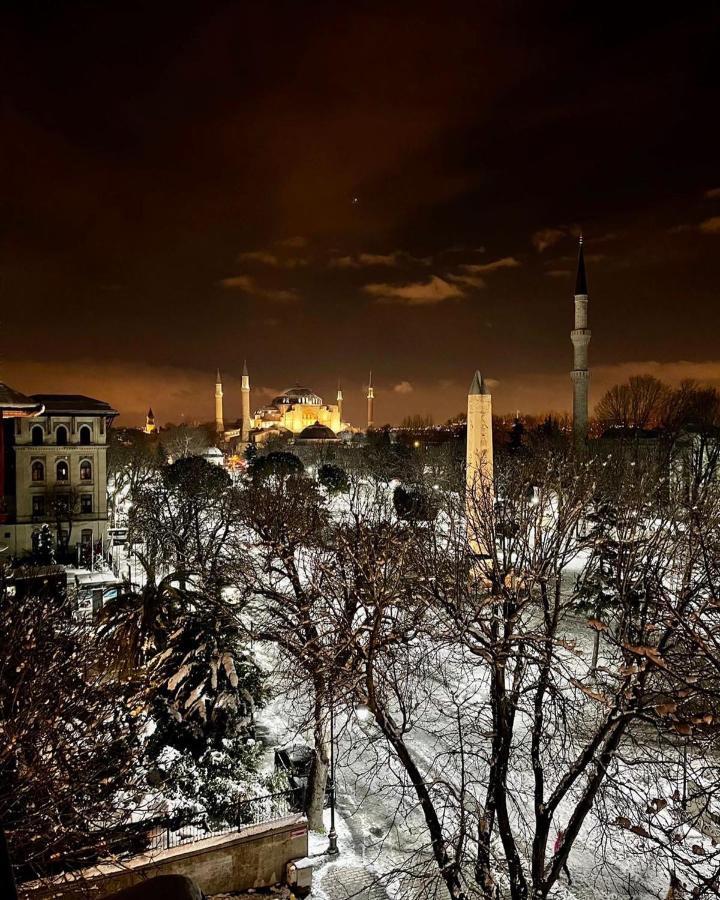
column 10, row 399
column 297, row 394
column 317, row 432
column 72, row 404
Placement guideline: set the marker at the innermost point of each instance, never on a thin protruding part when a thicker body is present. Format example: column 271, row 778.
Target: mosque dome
column 317, row 432
column 214, row 456
column 297, row 394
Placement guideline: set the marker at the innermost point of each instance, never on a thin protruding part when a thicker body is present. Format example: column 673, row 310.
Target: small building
column 58, row 457
column 214, row 456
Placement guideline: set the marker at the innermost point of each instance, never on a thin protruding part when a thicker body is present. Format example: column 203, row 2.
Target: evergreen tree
column 279, row 462
column 44, row 551
column 334, row 478
column 201, row 687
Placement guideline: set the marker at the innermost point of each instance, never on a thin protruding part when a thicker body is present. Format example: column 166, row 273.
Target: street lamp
column 332, row 834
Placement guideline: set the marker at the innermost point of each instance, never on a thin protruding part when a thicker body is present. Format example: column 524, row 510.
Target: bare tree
column 280, row 562
column 408, row 604
column 63, row 505
column 132, row 460
column 70, row 741
column 636, row 404
column 181, row 521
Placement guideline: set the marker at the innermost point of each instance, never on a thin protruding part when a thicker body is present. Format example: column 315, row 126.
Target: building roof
column 581, row 280
column 72, row 404
column 10, row 399
column 317, row 432
column 297, row 394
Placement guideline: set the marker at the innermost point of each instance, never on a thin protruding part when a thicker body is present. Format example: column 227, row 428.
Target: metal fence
column 180, row 829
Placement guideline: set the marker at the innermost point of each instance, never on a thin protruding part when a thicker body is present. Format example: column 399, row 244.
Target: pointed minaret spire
column 340, row 403
column 370, row 403
column 581, row 279
column 580, row 337
column 219, row 419
column 245, row 395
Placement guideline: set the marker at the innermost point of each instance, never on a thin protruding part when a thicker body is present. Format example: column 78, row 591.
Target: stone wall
column 255, row 857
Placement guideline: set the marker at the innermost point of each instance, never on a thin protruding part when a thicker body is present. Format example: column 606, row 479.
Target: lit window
column 86, row 470
column 62, row 472
column 38, row 471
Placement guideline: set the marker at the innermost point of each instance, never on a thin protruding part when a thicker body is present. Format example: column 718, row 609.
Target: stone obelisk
column 479, row 462
column 580, row 337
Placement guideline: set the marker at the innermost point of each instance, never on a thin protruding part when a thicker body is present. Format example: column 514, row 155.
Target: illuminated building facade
column 56, row 457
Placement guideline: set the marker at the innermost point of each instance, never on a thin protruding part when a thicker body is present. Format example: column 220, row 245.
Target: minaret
column 219, row 421
column 245, row 392
column 580, row 337
column 479, row 460
column 340, row 404
column 150, row 422
column 371, row 404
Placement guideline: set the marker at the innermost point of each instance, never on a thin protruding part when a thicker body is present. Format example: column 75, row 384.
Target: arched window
column 38, row 435
column 85, row 435
column 86, row 470
column 38, row 471
column 61, row 436
column 62, row 472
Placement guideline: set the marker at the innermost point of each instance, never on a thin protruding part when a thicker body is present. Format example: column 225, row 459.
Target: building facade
column 60, row 468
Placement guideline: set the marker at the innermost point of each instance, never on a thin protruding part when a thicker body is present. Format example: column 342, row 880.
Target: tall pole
column 332, row 834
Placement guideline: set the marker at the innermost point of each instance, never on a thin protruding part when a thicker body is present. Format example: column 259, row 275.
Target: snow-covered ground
column 381, row 829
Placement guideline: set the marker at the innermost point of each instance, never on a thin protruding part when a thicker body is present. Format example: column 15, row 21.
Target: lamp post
column 684, row 776
column 332, row 834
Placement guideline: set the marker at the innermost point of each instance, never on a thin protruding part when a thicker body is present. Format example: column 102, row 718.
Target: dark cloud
column 145, row 146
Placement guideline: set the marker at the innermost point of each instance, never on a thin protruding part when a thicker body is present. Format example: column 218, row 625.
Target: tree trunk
column 447, row 868
column 317, row 779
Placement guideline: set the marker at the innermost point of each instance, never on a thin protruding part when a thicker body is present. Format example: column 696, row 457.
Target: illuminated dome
column 317, row 432
column 297, row 395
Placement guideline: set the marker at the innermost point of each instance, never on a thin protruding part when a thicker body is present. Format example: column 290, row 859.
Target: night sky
column 329, row 188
